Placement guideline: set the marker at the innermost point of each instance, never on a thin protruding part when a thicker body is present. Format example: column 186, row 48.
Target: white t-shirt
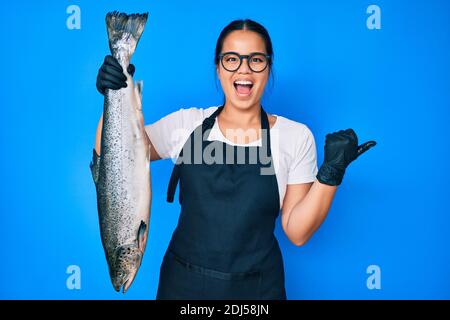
column 293, row 147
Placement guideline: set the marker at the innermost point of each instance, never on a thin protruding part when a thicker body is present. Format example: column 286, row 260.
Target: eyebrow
column 260, row 52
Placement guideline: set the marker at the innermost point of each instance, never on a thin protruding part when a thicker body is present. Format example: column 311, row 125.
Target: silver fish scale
column 116, row 160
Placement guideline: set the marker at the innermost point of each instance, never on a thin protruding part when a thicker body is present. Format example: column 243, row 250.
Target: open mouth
column 243, row 87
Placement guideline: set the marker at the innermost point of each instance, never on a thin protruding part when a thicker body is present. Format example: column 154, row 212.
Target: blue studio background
column 331, row 73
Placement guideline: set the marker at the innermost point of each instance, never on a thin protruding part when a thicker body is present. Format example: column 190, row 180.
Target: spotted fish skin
column 122, row 171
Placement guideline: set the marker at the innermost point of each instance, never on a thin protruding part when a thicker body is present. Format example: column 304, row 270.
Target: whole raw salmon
column 122, row 171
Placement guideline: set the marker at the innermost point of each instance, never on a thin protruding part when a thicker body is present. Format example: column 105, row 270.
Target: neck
column 241, row 117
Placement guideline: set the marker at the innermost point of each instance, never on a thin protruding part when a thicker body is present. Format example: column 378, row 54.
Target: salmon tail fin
column 124, row 32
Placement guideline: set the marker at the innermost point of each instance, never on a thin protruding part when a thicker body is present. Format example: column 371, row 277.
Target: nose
column 244, row 68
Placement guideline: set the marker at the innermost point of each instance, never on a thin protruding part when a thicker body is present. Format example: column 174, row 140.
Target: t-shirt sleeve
column 303, row 168
column 169, row 133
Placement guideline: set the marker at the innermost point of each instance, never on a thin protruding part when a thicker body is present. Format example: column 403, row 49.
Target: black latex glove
column 111, row 76
column 341, row 148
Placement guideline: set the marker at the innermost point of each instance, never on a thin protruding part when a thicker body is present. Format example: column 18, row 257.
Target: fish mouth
column 125, row 284
column 125, row 267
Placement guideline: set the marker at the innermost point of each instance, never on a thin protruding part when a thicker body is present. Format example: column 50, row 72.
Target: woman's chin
column 243, row 104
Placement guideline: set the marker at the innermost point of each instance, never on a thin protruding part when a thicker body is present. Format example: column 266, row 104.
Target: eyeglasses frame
column 244, row 56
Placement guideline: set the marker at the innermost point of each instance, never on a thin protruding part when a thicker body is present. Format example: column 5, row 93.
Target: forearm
column 98, row 135
column 308, row 214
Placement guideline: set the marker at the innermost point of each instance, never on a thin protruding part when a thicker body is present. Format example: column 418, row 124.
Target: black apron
column 224, row 245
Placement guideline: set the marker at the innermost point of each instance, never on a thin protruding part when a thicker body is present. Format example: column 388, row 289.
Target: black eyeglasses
column 256, row 61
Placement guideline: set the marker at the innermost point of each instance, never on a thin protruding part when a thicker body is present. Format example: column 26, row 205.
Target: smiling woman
column 243, row 83
column 224, row 245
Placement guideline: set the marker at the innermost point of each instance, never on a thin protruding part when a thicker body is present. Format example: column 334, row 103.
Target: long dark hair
column 245, row 24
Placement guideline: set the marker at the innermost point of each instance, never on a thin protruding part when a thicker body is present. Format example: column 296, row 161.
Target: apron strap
column 265, row 134
column 209, row 122
column 173, row 183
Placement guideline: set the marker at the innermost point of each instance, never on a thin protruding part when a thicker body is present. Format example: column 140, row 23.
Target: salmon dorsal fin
column 138, row 87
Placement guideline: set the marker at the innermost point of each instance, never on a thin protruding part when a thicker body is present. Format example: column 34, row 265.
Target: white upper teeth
column 243, row 82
